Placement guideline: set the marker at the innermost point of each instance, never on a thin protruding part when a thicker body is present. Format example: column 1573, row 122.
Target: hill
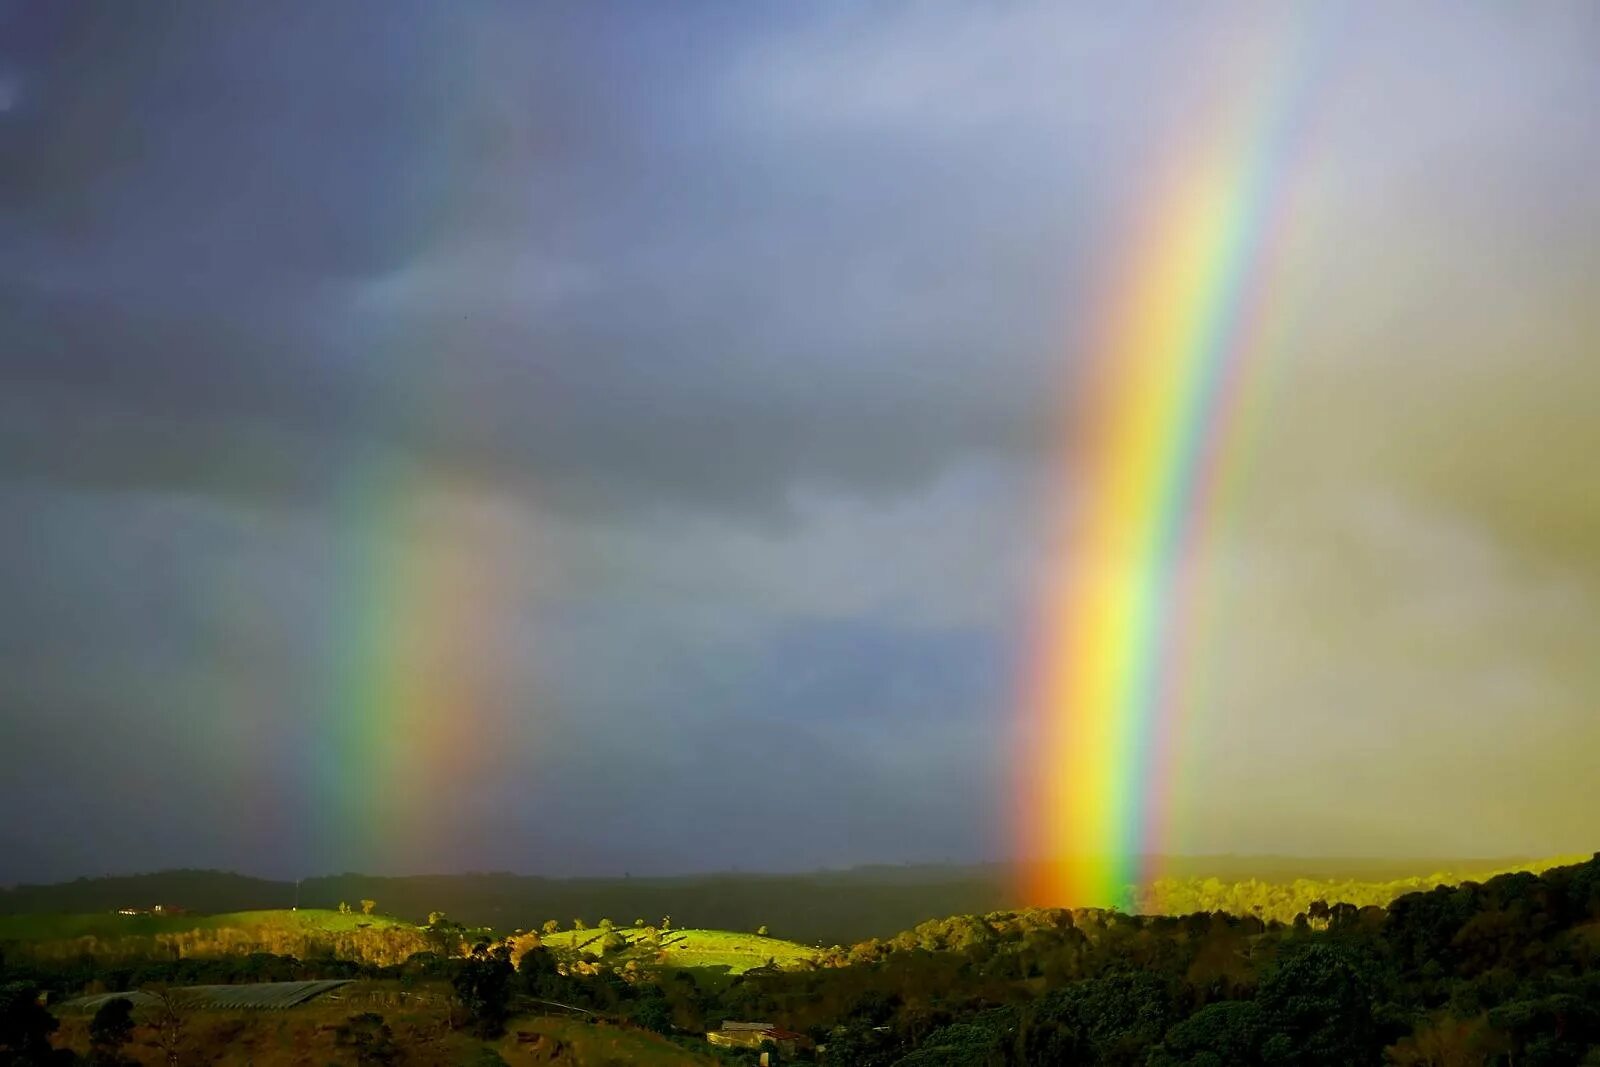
column 203, row 891
column 375, row 939
column 821, row 908
column 303, row 934
column 1283, row 898
column 724, row 950
column 307, row 921
column 817, row 908
column 415, row 1028
column 1494, row 974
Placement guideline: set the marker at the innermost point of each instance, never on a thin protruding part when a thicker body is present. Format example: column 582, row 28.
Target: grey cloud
column 737, row 342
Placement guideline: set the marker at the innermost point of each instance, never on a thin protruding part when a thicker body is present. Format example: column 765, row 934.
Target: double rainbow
column 1154, row 439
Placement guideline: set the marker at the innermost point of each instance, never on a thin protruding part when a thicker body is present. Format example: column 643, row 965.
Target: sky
column 602, row 438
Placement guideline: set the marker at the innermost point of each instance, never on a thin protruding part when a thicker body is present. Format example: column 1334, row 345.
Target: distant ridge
column 835, row 906
column 196, row 890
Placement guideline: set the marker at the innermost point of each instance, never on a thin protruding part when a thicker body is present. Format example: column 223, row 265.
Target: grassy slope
column 308, row 920
column 695, row 948
column 306, row 1034
column 718, row 949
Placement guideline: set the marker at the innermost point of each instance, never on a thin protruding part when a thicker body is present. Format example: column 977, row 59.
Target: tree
column 1101, row 1020
column 966, row 1044
column 445, row 936
column 368, row 907
column 579, row 924
column 483, row 987
column 552, row 926
column 1220, row 1034
column 761, row 931
column 344, row 908
column 607, row 924
column 863, row 1045
column 109, row 1031
column 1316, row 1005
column 173, row 1007
column 521, row 944
column 541, row 974
column 25, row 1027
column 370, row 1038
column 653, row 1013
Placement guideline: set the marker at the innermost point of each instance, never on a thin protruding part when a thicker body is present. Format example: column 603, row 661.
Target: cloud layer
column 739, row 342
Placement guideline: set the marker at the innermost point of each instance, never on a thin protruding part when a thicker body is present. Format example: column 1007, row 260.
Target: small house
column 754, row 1035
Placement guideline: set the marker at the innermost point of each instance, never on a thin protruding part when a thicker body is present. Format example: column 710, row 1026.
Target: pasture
column 732, row 952
column 302, row 934
column 307, row 921
column 322, row 1029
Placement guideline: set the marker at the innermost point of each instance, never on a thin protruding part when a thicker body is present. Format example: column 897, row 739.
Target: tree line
column 1502, row 973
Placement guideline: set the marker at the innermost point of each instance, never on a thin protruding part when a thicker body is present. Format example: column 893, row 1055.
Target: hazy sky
column 693, row 372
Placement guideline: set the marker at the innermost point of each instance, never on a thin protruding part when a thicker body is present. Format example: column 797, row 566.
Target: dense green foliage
column 1283, row 899
column 1504, row 973
column 482, row 983
column 110, row 1030
column 25, row 1027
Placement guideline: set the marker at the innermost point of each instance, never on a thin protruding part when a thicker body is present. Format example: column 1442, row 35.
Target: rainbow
column 413, row 700
column 412, row 710
column 1154, row 440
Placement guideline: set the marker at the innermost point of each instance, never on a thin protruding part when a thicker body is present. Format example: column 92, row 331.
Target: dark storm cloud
column 239, row 145
column 594, row 273
column 742, row 334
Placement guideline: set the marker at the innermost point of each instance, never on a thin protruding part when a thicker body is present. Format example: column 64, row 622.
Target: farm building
column 756, row 1035
column 156, row 909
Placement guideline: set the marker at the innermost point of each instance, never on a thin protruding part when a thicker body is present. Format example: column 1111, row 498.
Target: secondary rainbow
column 412, row 714
column 1153, row 437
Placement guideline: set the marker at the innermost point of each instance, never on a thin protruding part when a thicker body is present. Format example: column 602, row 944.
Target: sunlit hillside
column 1283, row 900
column 733, row 953
column 303, row 934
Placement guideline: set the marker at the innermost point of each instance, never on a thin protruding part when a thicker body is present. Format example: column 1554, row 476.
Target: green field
column 303, row 934
column 720, row 949
column 61, row 935
column 43, row 927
